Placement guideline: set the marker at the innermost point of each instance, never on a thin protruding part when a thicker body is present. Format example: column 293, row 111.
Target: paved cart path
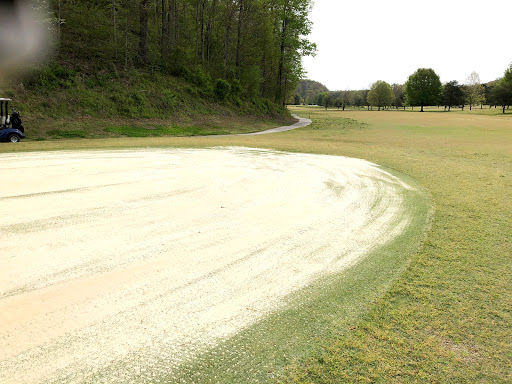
column 302, row 122
column 116, row 266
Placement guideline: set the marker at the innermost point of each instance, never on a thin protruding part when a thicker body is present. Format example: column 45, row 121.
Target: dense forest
column 250, row 48
column 114, row 64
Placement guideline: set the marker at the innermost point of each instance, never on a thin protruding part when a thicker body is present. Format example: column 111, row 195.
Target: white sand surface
column 148, row 257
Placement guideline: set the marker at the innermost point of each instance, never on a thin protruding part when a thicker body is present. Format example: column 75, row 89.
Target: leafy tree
column 294, row 25
column 452, row 94
column 422, row 88
column 399, row 99
column 258, row 42
column 380, row 94
column 364, row 95
column 328, row 101
column 489, row 93
column 503, row 90
column 474, row 91
column 357, row 99
column 320, row 98
column 345, row 97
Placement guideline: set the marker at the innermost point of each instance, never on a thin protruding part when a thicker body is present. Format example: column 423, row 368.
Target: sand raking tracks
column 145, row 258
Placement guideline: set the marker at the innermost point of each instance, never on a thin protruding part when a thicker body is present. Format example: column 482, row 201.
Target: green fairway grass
column 448, row 318
column 442, row 312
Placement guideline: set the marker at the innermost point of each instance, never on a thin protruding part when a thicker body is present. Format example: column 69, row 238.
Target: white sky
column 360, row 42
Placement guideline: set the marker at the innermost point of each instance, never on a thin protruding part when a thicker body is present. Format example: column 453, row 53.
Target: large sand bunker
column 149, row 257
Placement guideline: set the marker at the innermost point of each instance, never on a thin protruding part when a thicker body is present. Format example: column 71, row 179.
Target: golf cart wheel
column 13, row 138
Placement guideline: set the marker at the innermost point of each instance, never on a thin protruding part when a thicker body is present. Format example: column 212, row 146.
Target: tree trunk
column 203, row 6
column 144, row 32
column 165, row 35
column 198, row 31
column 280, row 77
column 228, row 22
column 209, row 30
column 239, row 36
column 172, row 24
column 126, row 46
column 421, row 108
column 114, row 14
column 226, row 45
column 59, row 20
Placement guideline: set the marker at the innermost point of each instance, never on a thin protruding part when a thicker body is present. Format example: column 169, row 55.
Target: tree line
column 423, row 88
column 252, row 47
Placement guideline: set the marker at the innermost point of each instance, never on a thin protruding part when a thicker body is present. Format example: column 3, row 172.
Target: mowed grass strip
column 45, row 128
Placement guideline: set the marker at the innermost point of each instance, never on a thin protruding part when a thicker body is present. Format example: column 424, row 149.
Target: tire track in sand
column 166, row 252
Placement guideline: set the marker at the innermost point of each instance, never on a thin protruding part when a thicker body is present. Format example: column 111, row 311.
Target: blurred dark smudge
column 24, row 37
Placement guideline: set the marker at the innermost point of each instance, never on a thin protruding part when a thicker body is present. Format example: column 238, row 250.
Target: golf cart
column 10, row 126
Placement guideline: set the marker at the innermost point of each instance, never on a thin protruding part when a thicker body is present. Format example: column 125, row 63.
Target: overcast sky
column 360, row 42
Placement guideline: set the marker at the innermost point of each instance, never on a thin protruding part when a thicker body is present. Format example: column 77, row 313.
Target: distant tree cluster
column 422, row 88
column 257, row 43
column 307, row 92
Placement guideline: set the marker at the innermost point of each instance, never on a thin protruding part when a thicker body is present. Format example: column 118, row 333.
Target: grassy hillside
column 59, row 102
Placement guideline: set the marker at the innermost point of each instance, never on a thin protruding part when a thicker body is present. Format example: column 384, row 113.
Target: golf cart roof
column 2, row 99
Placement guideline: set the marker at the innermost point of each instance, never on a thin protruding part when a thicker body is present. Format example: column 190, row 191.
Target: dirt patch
column 156, row 255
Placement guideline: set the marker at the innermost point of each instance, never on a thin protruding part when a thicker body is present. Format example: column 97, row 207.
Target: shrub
column 200, row 78
column 51, row 77
column 222, row 89
column 236, row 88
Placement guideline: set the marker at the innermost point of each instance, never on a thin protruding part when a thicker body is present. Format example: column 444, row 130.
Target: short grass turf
column 447, row 317
column 46, row 128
